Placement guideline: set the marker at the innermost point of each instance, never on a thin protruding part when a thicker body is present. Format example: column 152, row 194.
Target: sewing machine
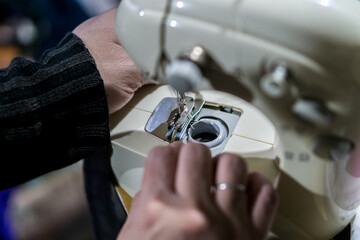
column 277, row 82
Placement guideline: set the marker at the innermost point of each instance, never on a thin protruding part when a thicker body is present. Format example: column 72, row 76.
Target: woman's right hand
column 175, row 201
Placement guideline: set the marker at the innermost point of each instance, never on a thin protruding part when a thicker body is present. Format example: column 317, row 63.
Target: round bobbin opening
column 208, row 131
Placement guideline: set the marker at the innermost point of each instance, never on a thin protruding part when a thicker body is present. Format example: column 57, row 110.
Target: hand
column 121, row 78
column 175, row 201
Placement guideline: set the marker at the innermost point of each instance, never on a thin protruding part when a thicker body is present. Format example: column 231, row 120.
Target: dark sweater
column 52, row 112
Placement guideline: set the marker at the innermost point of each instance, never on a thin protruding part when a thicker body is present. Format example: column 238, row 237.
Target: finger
column 194, row 173
column 232, row 170
column 263, row 202
column 160, row 168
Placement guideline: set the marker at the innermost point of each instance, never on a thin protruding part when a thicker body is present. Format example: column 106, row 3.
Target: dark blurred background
column 54, row 206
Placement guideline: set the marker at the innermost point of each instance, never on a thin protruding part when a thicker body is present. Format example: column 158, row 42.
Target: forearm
column 52, row 112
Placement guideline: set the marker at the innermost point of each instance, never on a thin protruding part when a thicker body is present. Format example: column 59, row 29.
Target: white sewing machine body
column 296, row 61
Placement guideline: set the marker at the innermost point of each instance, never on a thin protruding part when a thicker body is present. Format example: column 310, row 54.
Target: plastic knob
column 313, row 111
column 275, row 83
column 183, row 75
column 333, row 147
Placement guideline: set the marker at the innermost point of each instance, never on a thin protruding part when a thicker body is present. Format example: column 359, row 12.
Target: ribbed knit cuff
column 52, row 112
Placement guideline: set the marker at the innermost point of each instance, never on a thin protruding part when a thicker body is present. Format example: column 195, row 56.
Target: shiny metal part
column 196, row 54
column 334, row 148
column 275, row 83
column 314, row 111
column 170, row 124
column 183, row 75
column 181, row 100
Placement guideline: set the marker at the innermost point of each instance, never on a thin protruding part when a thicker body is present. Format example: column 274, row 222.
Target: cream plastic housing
column 318, row 42
column 252, row 137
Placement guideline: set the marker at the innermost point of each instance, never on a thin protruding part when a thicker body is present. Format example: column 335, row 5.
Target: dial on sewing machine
column 295, row 61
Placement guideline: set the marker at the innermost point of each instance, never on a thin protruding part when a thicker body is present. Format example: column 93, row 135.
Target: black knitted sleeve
column 52, row 112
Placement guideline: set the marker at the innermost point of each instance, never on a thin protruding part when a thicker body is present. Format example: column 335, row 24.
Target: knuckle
column 259, row 177
column 137, row 198
column 177, row 145
column 156, row 154
column 152, row 210
column 197, row 146
column 231, row 161
column 156, row 157
column 196, row 223
column 156, row 150
column 198, row 149
column 160, row 151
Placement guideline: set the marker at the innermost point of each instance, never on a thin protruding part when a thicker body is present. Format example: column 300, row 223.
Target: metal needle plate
column 170, row 124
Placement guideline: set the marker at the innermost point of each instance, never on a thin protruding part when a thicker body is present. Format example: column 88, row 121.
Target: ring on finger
column 228, row 186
